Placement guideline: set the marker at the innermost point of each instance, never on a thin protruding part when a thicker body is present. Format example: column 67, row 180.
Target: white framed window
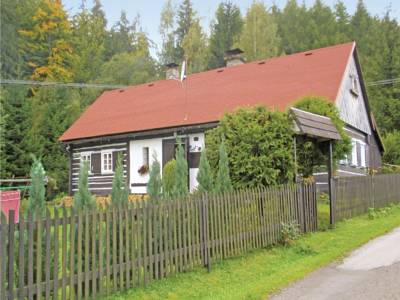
column 106, row 162
column 86, row 156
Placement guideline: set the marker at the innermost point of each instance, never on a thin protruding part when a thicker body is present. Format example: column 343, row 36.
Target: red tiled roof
column 275, row 82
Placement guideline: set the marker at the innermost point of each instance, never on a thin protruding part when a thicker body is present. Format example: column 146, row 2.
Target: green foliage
column 167, row 31
column 259, row 38
column 310, row 153
column 205, row 176
column 128, row 68
column 120, row 189
column 154, row 186
column 225, row 33
column 37, row 189
column 180, row 189
column 290, row 232
column 194, row 47
column 83, row 198
column 168, row 178
column 223, row 181
column 392, row 148
column 259, row 144
column 186, row 16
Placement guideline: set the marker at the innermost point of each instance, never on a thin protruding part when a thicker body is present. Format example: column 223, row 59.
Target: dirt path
column 370, row 272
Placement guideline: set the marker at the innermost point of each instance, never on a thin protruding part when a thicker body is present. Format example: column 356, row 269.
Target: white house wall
column 138, row 182
column 136, row 161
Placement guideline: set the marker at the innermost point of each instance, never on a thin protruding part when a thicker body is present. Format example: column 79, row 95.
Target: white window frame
column 109, row 165
column 354, row 158
column 363, row 162
column 87, row 156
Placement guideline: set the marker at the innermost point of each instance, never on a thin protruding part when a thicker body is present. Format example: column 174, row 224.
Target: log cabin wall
column 102, row 162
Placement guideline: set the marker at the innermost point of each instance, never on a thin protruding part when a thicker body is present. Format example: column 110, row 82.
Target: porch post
column 330, row 181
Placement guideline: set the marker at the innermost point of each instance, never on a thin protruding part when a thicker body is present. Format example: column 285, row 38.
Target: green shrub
column 392, row 148
column 168, row 178
column 259, row 147
column 204, row 177
column 223, row 182
column 305, row 249
column 83, row 198
column 154, row 186
column 180, row 188
column 37, row 189
column 290, row 232
column 120, row 189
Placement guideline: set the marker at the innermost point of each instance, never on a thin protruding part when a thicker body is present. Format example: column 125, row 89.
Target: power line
column 112, row 86
column 60, row 84
column 384, row 82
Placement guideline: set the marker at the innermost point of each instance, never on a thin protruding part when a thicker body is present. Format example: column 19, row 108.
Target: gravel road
column 368, row 273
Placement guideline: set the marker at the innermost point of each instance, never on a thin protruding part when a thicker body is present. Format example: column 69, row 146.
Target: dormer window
column 354, row 84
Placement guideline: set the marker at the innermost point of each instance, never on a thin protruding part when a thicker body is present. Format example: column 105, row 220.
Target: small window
column 145, row 156
column 196, row 139
column 362, row 152
column 106, row 162
column 354, row 84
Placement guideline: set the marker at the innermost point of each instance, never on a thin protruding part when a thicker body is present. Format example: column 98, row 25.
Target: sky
column 149, row 10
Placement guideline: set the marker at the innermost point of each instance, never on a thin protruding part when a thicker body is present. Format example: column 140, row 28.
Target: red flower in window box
column 143, row 170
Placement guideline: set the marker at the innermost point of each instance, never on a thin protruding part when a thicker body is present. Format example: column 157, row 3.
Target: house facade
column 143, row 122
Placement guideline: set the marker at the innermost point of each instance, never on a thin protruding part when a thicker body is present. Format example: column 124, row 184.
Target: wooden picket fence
column 69, row 255
column 353, row 196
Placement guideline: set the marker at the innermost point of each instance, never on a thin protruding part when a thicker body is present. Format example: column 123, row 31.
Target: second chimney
column 172, row 71
column 234, row 57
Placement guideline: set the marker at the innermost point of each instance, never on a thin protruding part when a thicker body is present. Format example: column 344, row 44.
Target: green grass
column 263, row 272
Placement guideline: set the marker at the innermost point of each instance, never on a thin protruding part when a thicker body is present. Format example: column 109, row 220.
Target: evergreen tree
column 37, row 189
column 180, row 189
column 225, row 33
column 47, row 44
column 89, row 36
column 168, row 179
column 205, row 177
column 259, row 38
column 186, row 16
column 120, row 190
column 3, row 156
column 15, row 152
column 155, row 185
column 342, row 22
column 83, row 198
column 223, row 180
column 194, row 47
column 167, row 30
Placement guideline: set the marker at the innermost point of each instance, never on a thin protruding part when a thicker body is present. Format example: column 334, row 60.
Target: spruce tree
column 225, row 32
column 204, row 177
column 180, row 189
column 37, row 189
column 168, row 178
column 83, row 198
column 154, row 186
column 120, row 191
column 223, row 180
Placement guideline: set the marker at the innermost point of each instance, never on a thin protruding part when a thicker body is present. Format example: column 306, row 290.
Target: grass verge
column 263, row 272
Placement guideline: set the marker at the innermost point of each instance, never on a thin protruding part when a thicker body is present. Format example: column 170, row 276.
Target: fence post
column 205, row 232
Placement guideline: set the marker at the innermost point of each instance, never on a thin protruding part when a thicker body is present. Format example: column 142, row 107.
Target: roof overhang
column 313, row 125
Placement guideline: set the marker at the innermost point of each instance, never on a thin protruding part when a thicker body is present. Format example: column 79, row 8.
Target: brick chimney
column 234, row 57
column 172, row 71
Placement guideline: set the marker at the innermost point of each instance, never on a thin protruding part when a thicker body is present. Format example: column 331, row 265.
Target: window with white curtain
column 362, row 151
